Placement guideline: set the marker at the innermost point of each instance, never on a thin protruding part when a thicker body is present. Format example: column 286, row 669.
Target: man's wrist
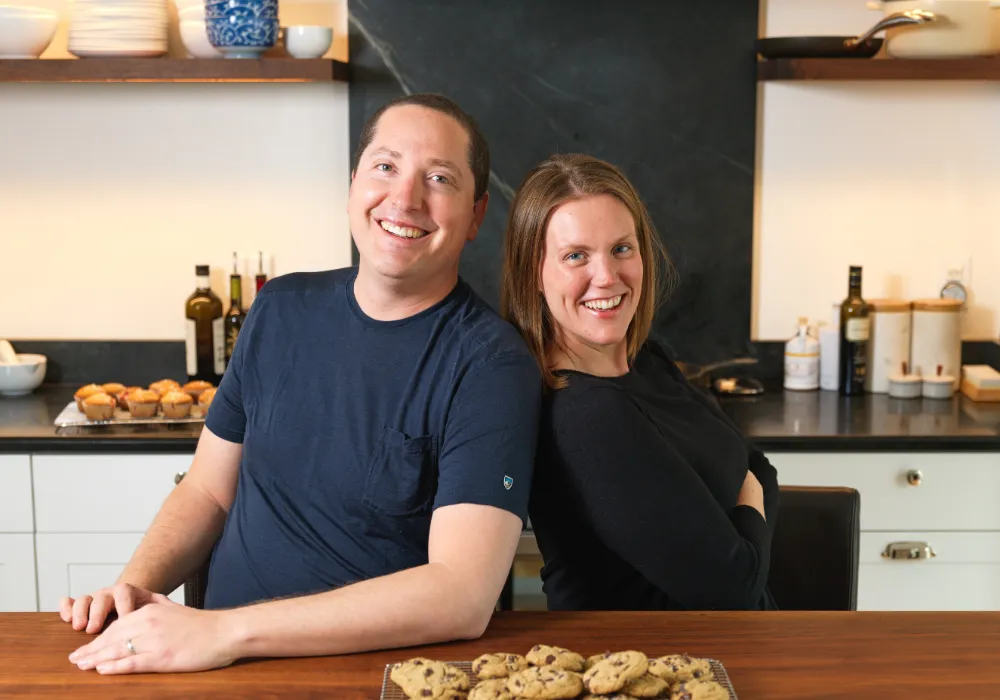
column 238, row 638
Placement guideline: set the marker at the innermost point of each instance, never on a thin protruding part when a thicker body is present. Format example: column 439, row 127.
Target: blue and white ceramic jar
column 242, row 28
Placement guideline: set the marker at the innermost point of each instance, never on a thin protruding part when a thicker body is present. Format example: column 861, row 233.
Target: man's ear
column 478, row 214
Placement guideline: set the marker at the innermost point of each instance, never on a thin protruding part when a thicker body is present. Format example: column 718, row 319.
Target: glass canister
column 937, row 337
column 889, row 346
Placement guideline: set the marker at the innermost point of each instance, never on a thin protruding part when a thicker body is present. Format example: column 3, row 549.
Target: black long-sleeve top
column 634, row 496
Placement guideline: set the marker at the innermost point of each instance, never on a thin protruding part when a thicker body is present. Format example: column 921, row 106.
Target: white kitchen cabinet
column 96, row 493
column 964, row 574
column 17, row 573
column 77, row 564
column 15, row 494
column 950, row 501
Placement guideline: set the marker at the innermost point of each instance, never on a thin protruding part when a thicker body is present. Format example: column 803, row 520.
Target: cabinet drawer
column 955, row 491
column 102, row 493
column 76, row 565
column 965, row 574
column 15, row 494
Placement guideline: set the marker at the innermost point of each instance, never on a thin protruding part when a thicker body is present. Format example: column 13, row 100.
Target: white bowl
column 22, row 378
column 25, row 32
column 195, row 39
column 303, row 41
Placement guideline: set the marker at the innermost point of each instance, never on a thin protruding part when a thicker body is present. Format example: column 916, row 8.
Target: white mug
column 307, row 41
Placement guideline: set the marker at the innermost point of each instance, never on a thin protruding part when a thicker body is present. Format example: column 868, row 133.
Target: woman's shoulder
column 585, row 399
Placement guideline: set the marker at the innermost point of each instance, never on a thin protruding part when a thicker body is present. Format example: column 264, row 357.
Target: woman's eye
column 574, row 257
column 623, row 248
column 383, row 167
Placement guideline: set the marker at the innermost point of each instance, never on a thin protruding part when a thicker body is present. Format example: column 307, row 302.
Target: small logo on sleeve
column 507, row 482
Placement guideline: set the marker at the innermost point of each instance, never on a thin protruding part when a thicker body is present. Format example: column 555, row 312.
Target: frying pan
column 700, row 375
column 864, row 46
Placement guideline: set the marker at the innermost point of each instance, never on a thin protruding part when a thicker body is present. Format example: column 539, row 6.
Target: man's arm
column 190, row 520
column 179, row 540
column 452, row 597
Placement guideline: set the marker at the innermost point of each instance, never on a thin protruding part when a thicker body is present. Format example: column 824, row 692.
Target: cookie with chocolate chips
column 498, row 665
column 646, row 686
column 680, row 667
column 425, row 679
column 545, row 683
column 591, row 660
column 492, row 689
column 697, row 689
column 612, row 674
column 545, row 655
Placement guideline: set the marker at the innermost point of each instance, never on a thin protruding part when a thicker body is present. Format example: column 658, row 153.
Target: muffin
column 122, row 396
column 113, row 388
column 176, row 404
column 196, row 388
column 205, row 399
column 142, row 403
column 164, row 386
column 85, row 391
column 99, row 406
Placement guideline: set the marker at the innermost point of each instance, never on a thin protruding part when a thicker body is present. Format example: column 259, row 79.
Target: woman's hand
column 752, row 494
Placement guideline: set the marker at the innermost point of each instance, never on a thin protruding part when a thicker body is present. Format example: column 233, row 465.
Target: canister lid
column 888, row 305
column 937, row 305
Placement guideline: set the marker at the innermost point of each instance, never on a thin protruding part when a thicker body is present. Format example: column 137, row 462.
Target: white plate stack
column 118, row 28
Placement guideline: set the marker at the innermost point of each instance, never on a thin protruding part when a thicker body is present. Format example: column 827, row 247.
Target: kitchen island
column 771, row 656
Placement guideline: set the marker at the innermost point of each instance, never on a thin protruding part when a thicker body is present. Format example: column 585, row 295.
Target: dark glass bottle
column 235, row 316
column 855, row 330
column 205, row 339
column 261, row 277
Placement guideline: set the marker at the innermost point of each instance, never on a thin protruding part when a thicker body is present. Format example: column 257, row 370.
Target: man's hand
column 166, row 638
column 91, row 611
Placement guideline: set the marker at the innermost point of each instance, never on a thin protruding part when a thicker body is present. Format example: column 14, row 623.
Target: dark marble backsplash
column 666, row 91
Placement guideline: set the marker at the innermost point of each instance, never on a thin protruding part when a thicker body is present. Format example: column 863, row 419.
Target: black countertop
column 777, row 421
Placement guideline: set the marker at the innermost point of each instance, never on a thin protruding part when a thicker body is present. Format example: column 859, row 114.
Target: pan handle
column 896, row 19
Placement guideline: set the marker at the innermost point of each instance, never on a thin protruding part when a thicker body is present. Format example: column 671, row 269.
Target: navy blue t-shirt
column 355, row 430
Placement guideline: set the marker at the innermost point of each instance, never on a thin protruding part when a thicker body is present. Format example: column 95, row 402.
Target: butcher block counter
column 772, row 656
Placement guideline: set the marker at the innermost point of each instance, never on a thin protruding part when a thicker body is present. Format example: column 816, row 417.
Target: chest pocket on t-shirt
column 402, row 474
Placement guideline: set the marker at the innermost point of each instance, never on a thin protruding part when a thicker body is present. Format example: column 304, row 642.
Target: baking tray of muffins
column 555, row 673
column 164, row 401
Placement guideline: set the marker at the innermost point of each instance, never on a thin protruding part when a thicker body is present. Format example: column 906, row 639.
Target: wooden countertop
column 773, row 656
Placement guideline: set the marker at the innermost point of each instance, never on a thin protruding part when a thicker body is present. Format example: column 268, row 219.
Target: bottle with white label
column 205, row 343
column 802, row 360
column 855, row 330
column 829, row 351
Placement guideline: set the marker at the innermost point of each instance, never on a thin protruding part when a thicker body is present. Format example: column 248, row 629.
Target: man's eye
column 383, row 167
column 441, row 178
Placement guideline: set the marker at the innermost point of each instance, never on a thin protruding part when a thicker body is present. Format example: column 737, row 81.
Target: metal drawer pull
column 908, row 550
column 179, row 476
column 914, row 477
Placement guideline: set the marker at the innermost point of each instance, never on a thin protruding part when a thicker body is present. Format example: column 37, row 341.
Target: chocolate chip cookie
column 425, row 679
column 492, row 689
column 646, row 686
column 591, row 660
column 613, row 673
column 680, row 667
column 498, row 665
column 544, row 655
column 697, row 689
column 545, row 683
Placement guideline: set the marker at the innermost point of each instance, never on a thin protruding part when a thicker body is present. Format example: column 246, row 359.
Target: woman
column 645, row 495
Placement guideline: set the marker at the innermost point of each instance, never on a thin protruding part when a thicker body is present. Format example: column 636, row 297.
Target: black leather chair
column 814, row 553
column 196, row 585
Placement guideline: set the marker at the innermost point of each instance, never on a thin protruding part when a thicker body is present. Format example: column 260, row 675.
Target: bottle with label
column 261, row 277
column 854, row 333
column 205, row 342
column 235, row 316
column 829, row 351
column 802, row 360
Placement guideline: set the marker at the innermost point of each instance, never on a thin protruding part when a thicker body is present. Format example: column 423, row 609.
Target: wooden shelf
column 161, row 70
column 879, row 69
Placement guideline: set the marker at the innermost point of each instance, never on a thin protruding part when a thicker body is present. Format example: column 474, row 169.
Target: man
column 367, row 459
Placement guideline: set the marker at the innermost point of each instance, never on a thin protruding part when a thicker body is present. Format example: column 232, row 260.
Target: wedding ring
column 130, row 646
